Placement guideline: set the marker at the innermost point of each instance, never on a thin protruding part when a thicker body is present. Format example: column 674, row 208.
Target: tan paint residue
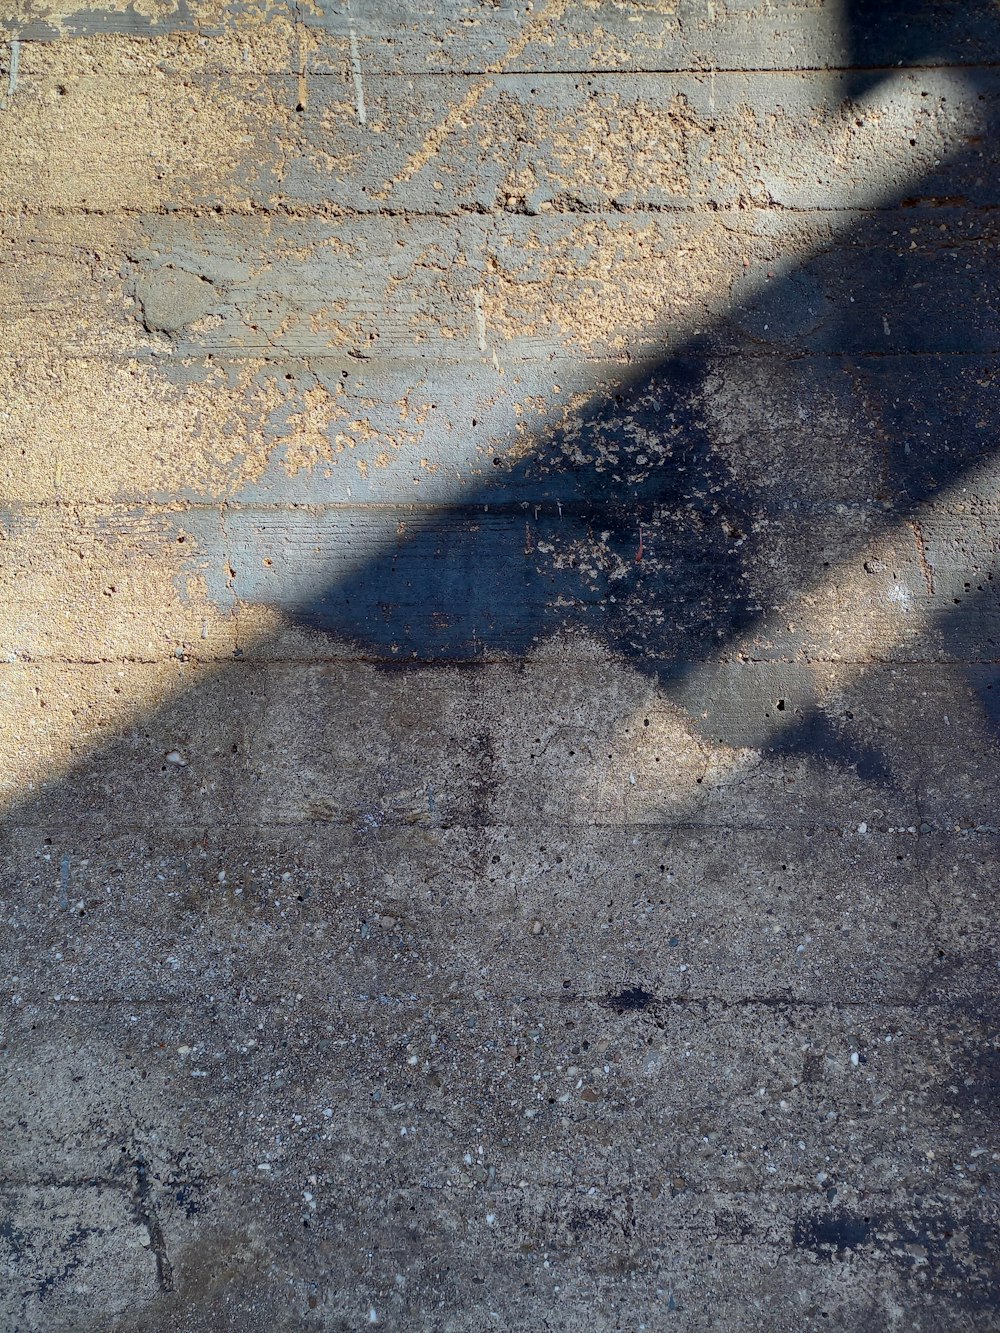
column 65, row 15
column 602, row 148
column 105, row 583
column 112, row 127
column 625, row 143
column 119, row 125
column 337, row 331
column 146, row 18
column 55, row 714
column 312, row 437
column 103, row 428
column 728, row 159
column 457, row 117
column 87, row 414
column 596, row 285
column 341, row 164
column 104, row 615
column 328, row 424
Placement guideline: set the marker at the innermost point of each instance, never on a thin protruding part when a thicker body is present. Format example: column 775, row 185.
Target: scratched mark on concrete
column 359, row 87
column 12, row 72
column 455, row 118
column 480, row 319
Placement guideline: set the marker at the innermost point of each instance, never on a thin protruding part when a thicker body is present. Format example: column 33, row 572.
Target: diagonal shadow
column 630, row 523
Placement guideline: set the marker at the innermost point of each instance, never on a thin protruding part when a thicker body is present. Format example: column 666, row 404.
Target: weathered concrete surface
column 498, row 653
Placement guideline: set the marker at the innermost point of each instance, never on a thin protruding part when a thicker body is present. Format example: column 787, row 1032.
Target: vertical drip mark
column 359, row 87
column 303, row 84
column 480, row 320
column 15, row 60
column 925, row 565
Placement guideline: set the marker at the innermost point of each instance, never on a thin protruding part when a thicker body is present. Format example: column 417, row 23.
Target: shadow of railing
column 635, row 524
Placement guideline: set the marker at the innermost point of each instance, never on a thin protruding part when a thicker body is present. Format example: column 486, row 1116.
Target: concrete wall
column 498, row 648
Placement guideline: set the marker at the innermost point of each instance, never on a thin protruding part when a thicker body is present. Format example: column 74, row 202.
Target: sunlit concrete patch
column 101, row 138
column 214, row 429
column 87, row 608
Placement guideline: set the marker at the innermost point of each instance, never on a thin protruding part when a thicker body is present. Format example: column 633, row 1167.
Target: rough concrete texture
column 498, row 651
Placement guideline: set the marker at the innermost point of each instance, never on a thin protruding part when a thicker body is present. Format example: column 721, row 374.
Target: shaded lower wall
column 531, row 989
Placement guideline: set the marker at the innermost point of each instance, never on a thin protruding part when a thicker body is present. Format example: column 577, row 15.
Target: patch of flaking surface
column 105, row 428
column 598, row 284
column 68, row 17
column 327, row 425
column 137, row 124
column 609, row 144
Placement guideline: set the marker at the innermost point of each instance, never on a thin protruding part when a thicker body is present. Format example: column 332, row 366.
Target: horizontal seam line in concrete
column 685, row 1002
column 788, row 353
column 375, row 73
column 78, row 512
column 705, row 70
column 480, row 661
column 517, row 505
column 332, row 211
column 635, row 364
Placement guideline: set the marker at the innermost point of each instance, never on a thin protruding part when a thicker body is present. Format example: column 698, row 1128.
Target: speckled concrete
column 498, row 653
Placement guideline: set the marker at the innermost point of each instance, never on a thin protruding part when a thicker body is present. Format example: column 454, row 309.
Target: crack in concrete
column 146, row 1214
